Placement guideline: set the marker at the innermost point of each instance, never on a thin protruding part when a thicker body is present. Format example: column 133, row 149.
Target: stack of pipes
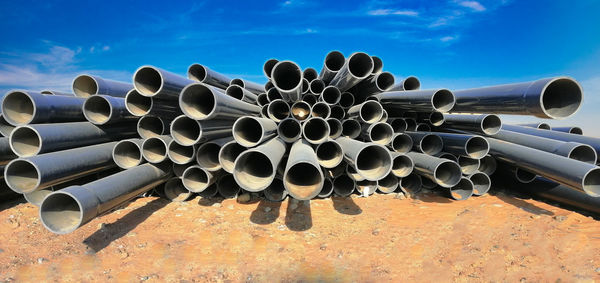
column 348, row 129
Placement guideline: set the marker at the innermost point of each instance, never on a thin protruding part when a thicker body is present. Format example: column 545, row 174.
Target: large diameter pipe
column 155, row 82
column 488, row 124
column 273, row 94
column 207, row 155
column 573, row 173
column 355, row 69
column 321, row 109
column 466, row 145
column 255, row 168
column 278, row 110
column 371, row 161
column 481, row 183
column 251, row 131
column 401, row 143
column 36, row 139
column 6, row 152
column 88, row 85
column 468, row 166
column 570, row 130
column 105, row 109
column 203, row 74
column 411, row 184
column 139, row 105
column 303, row 178
column 268, row 67
column 487, row 165
column 388, row 184
column 276, row 191
column 435, row 119
column 289, row 130
column 187, row 131
column 366, row 188
column 343, row 185
column 351, row 128
column 329, row 154
column 380, row 133
column 54, row 92
column 197, row 179
column 409, row 83
column 66, row 210
column 346, row 100
column 202, row 102
column 443, row 172
column 128, row 153
column 228, row 154
column 441, row 100
column 543, row 126
column 316, row 86
column 250, row 86
column 152, row 126
column 301, row 110
column 241, row 93
column 425, row 142
column 461, row 191
column 373, row 85
column 180, row 154
column 330, row 95
column 25, row 107
column 573, row 150
column 310, row 74
column 335, row 128
column 155, row 149
column 287, row 79
column 25, row 175
column 367, row 112
column 554, row 98
column 5, row 127
column 331, row 66
column 327, row 189
column 402, row 165
column 175, row 191
column 227, row 187
column 377, row 65
column 315, row 130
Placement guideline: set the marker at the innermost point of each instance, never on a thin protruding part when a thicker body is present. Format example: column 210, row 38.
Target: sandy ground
column 375, row 239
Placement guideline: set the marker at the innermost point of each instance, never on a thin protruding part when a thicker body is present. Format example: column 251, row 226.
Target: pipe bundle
column 346, row 129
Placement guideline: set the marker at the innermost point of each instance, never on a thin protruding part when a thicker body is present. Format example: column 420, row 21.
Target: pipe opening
column 97, row 110
column 238, row 82
column 228, row 153
column 327, row 189
column 235, row 91
column 268, row 67
column 321, row 109
column 371, row 111
column 175, row 191
column 346, row 99
column 411, row 124
column 576, row 131
column 262, row 99
column 544, row 126
column 443, row 100
column 278, row 110
column 150, row 126
column 343, row 186
column 137, row 104
column 448, row 156
column 147, row 81
column 61, row 213
column 591, row 182
column 402, row 143
column 334, row 61
column 36, row 197
column 185, row 131
column 335, row 128
column 127, row 154
column 309, row 74
column 329, row 154
column 399, row 125
column 273, row 94
column 300, row 110
column 269, row 85
column 360, row 65
column 463, row 190
column 366, row 187
column 254, row 171
column 384, row 81
column 25, row 141
column 275, row 191
column 491, row 124
column 351, row 128
column 22, row 176
column 373, row 162
column 337, row 112
column 305, row 86
column 208, row 156
column 436, row 119
column 317, row 86
column 561, row 98
column 197, row 101
column 85, row 86
column 195, row 179
column 154, row 150
column 381, row 133
column 5, row 127
column 402, row 166
column 331, row 95
column 227, row 187
column 487, row 165
column 315, row 130
column 197, row 72
column 583, row 153
column 477, row 147
column 180, row 154
column 411, row 183
column 524, row 176
column 289, row 130
column 422, row 127
column 303, row 180
column 377, row 65
column 431, row 144
column 311, row 99
column 353, row 174
column 18, row 108
column 411, row 83
column 468, row 165
column 447, row 174
column 287, row 75
column 481, row 183
column 248, row 131
column 388, row 184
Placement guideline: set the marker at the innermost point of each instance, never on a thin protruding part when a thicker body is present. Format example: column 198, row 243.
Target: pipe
column 337, row 112
column 207, row 154
column 289, row 130
column 436, row 119
column 426, row 183
column 128, row 153
column 411, row 124
column 255, row 168
column 388, row 184
column 305, row 87
column 330, row 95
column 241, row 93
column 335, row 128
column 351, row 128
column 268, row 67
column 262, row 99
column 343, row 186
column 441, row 100
column 187, row 131
column 66, row 210
column 54, row 92
column 443, row 172
column 303, row 178
column 481, row 183
column 25, row 107
column 25, row 175
column 321, row 109
column 380, row 133
column 301, row 110
column 273, row 94
column 227, row 155
column 151, row 126
column 487, row 165
column 422, row 127
column 5, row 127
column 310, row 98
column 573, row 150
column 158, row 83
column 139, row 105
column 402, row 165
column 155, row 149
column 399, row 125
column 180, row 154
column 336, row 171
column 346, row 100
column 355, row 69
column 105, row 109
column 227, row 187
column 264, row 111
column 251, row 86
column 331, row 66
column 366, row 188
column 178, row 169
column 352, row 173
column 461, row 191
column 427, row 143
column 409, row 83
column 367, row 112
column 373, row 85
column 269, row 85
column 278, row 110
column 197, row 179
column 88, row 85
column 310, row 74
column 468, row 166
column 329, row 154
column 576, row 174
column 6, row 152
column 175, row 191
column 202, row 102
column 447, row 156
column 287, row 79
column 371, row 161
column 401, row 143
column 570, row 130
column 315, row 130
column 203, row 74
column 543, row 126
column 488, row 124
column 466, row 145
column 275, row 192
column 327, row 189
column 377, row 65
column 317, row 86
column 384, row 117
column 411, row 184
column 251, row 131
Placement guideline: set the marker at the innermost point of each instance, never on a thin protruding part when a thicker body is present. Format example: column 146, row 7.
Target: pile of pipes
column 348, row 129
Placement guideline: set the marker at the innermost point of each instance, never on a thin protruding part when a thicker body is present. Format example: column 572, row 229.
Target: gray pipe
column 576, row 174
column 250, row 86
column 203, row 74
column 441, row 100
column 352, row 173
column 543, row 126
column 54, row 92
column 207, row 154
column 468, row 165
column 6, row 152
column 300, row 110
column 410, row 83
column 128, row 153
column 202, row 102
column 305, row 86
column 422, row 127
column 435, row 119
column 289, row 130
column 380, row 133
column 197, row 179
column 315, row 130
column 447, row 156
column 178, row 169
column 481, row 183
column 303, row 178
column 373, row 85
column 329, row 154
column 227, row 187
column 274, row 94
column 411, row 184
column 573, row 150
column 398, row 124
column 241, row 93
column 152, row 126
column 187, row 131
column 25, row 107
column 346, row 100
column 155, row 82
column 351, row 128
column 388, row 184
column 175, row 191
column 487, row 165
column 180, row 154
column 330, row 95
column 570, row 130
column 88, row 85
column 5, row 127
column 105, row 109
column 343, row 186
column 275, row 192
column 278, row 110
column 366, row 188
column 228, row 154
column 377, row 65
column 255, row 168
column 425, row 142
column 287, row 79
column 268, row 67
column 402, row 165
column 411, row 124
column 262, row 99
column 486, row 124
column 155, row 149
column 320, row 109
column 331, row 66
column 443, row 172
column 139, row 105
column 317, row 86
column 25, row 175
column 264, row 111
column 355, row 69
column 310, row 74
column 461, row 191
column 371, row 161
column 335, row 128
column 327, row 189
column 66, row 210
column 367, row 112
column 251, row 131
column 466, row 145
column 401, row 143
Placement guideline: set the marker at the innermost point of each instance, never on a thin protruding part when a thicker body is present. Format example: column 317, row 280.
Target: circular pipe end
column 137, row 104
column 127, row 154
column 22, row 176
column 97, row 110
column 591, row 182
column 148, row 80
column 228, row 153
column 402, row 166
column 315, row 130
column 197, row 101
column 561, row 98
column 61, row 213
column 248, row 131
column 185, row 131
column 154, row 150
column 447, row 174
column 329, row 154
column 25, row 141
column 360, row 65
column 175, row 191
column 462, row 190
column 18, row 108
column 491, row 124
column 303, row 180
column 195, row 179
column 196, row 72
column 373, row 162
column 150, row 126
column 443, row 100
column 411, row 83
column 289, row 130
column 481, row 183
column 85, row 86
column 477, row 147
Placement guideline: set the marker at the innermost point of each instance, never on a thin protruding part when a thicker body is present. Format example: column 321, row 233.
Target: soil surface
column 374, row 239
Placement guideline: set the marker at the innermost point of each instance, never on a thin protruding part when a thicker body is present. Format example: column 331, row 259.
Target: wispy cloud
column 476, row 6
column 448, row 38
column 387, row 12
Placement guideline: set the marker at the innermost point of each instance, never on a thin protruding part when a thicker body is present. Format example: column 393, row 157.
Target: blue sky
column 451, row 44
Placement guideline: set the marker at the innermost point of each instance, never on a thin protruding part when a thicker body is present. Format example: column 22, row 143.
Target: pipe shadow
column 437, row 195
column 113, row 231
column 10, row 202
column 520, row 203
column 298, row 215
column 261, row 216
column 345, row 205
column 209, row 201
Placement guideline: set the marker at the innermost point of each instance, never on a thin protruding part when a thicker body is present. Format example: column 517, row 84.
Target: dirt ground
column 375, row 239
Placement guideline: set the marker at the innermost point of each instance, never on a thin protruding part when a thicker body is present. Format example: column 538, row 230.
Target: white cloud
column 448, row 38
column 476, row 6
column 105, row 48
column 386, row 12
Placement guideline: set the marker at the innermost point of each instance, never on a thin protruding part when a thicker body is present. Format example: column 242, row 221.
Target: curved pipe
column 227, row 155
column 401, row 143
column 481, row 183
column 180, row 154
column 380, row 133
column 351, row 128
column 278, row 110
column 187, row 131
column 24, row 107
column 427, row 143
column 241, row 93
column 371, row 161
column 329, row 154
column 463, row 190
column 151, row 126
column 343, row 186
column 315, row 130
column 303, row 178
column 443, row 172
column 410, row 83
column 88, row 85
column 440, row 100
column 346, row 100
column 155, row 149
column 331, row 66
column 207, row 154
column 227, row 187
column 155, row 82
column 251, row 86
column 330, row 95
column 488, row 124
column 268, row 67
column 251, row 131
column 466, row 145
column 355, row 69
column 570, row 130
column 335, row 128
column 301, row 110
column 202, row 102
column 367, row 112
column 255, row 168
column 203, row 74
column 197, row 179
column 289, row 130
column 287, row 79
column 388, row 184
column 402, row 165
column 468, row 166
column 128, row 153
column 105, row 109
column 275, row 192
column 317, row 86
column 321, row 109
column 175, row 191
